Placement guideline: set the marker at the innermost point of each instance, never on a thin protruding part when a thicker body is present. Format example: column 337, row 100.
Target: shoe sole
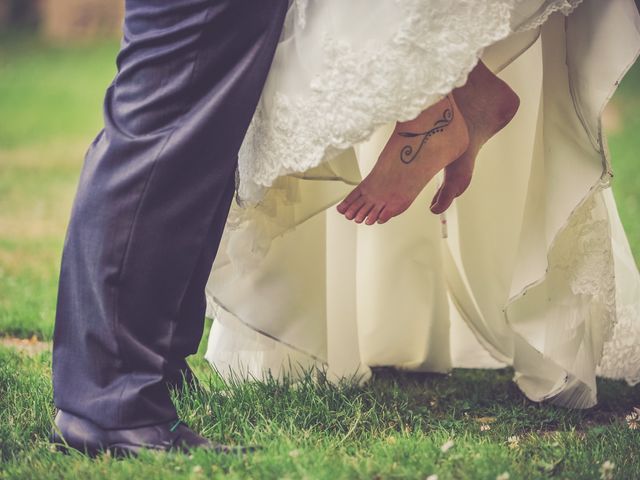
column 116, row 451
column 120, row 451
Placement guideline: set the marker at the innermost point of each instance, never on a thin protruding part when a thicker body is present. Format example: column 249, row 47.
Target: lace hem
column 621, row 355
column 566, row 7
column 362, row 87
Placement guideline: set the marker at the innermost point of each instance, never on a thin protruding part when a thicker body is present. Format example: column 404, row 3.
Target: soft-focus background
column 56, row 59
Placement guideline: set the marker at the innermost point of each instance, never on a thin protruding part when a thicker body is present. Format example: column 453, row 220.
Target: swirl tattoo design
column 407, row 154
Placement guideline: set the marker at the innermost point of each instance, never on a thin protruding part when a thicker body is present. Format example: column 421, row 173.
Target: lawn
column 470, row 424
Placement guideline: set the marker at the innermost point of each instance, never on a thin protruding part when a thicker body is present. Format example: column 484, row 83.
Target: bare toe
column 353, row 196
column 443, row 198
column 454, row 185
column 373, row 215
column 385, row 215
column 363, row 212
column 355, row 207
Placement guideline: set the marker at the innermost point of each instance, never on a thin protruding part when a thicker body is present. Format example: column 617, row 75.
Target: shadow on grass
column 394, row 426
column 476, row 401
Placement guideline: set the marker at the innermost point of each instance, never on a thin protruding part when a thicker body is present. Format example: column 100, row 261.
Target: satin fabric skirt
column 529, row 268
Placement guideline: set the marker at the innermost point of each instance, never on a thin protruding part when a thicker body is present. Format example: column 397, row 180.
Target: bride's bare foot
column 488, row 105
column 415, row 152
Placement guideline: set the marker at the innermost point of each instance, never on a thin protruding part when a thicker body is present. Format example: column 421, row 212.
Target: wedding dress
column 529, row 268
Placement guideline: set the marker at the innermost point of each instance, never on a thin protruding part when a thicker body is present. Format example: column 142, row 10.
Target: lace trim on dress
column 610, row 330
column 566, row 7
column 362, row 87
column 582, row 259
column 301, row 12
column 621, row 355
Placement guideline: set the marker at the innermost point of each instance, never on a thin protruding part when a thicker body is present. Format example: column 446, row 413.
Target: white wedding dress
column 531, row 269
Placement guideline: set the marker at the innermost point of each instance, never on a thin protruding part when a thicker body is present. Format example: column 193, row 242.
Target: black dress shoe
column 74, row 432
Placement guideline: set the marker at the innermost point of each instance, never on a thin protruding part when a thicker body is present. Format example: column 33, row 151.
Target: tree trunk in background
column 16, row 14
column 5, row 13
column 81, row 19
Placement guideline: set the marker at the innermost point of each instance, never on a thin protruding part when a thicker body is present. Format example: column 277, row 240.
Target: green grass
column 50, row 105
column 624, row 146
column 392, row 428
column 48, row 92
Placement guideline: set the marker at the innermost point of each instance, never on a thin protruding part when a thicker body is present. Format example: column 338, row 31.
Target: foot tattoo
column 417, row 150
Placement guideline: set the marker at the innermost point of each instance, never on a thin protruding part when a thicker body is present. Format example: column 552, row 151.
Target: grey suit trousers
column 152, row 201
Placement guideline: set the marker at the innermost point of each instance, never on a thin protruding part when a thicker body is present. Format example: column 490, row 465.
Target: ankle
column 506, row 106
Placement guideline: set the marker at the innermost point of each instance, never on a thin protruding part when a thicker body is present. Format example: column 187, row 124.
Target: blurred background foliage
column 64, row 20
column 67, row 19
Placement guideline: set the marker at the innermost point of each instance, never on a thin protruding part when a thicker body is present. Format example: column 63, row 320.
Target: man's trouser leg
column 152, row 199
